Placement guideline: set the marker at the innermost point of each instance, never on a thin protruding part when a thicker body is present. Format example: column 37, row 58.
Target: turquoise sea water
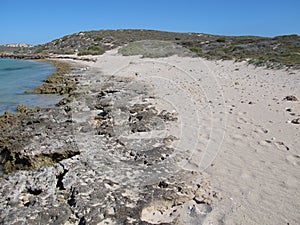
column 17, row 76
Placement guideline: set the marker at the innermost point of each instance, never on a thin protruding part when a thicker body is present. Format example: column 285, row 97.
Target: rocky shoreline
column 22, row 56
column 98, row 159
column 18, row 129
column 58, row 83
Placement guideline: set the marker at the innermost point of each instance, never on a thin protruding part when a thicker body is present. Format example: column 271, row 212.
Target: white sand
column 250, row 151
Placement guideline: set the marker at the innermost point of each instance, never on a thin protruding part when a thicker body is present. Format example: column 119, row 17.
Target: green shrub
column 221, row 39
column 293, row 48
column 187, row 43
column 233, row 48
column 153, row 49
column 95, row 48
column 98, row 39
column 92, row 50
column 196, row 49
column 65, row 38
column 84, row 52
column 39, row 50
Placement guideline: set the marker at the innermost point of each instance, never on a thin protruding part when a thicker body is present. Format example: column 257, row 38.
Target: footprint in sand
column 261, row 130
column 291, row 182
column 293, row 160
column 265, row 143
column 241, row 120
column 238, row 137
column 281, row 146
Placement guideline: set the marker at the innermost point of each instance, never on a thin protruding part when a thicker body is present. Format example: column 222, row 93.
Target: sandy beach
column 173, row 140
column 234, row 125
column 150, row 113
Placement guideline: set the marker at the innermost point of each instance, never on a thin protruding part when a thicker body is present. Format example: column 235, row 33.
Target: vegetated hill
column 108, row 39
column 272, row 52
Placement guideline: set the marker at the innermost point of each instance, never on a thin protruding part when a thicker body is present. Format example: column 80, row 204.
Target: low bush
column 98, row 39
column 232, row 48
column 154, row 49
column 92, row 50
column 196, row 49
column 221, row 39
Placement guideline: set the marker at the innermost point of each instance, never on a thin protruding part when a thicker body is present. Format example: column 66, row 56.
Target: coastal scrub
column 154, row 49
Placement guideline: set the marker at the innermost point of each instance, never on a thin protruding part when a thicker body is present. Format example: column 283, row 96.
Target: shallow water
column 18, row 76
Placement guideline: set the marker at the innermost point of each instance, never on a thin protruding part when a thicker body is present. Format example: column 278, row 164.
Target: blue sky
column 40, row 21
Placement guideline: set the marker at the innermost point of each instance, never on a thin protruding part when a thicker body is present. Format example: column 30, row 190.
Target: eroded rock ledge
column 104, row 158
column 36, row 138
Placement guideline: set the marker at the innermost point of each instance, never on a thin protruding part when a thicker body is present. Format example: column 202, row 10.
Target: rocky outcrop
column 22, row 56
column 104, row 158
column 57, row 83
column 35, row 138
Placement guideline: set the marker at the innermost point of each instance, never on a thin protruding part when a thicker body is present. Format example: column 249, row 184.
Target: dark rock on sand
column 296, row 121
column 290, row 98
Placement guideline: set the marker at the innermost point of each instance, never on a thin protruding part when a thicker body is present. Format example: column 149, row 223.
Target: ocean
column 18, row 76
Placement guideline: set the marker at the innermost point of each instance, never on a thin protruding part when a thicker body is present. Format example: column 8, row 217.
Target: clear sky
column 40, row 21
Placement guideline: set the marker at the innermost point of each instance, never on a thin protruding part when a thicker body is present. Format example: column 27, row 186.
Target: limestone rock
column 110, row 164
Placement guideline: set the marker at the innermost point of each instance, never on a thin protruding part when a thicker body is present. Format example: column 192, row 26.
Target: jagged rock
column 82, row 166
column 29, row 141
column 187, row 199
column 290, row 98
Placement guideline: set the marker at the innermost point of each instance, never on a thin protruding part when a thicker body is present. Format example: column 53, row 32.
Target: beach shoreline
column 61, row 82
column 57, row 83
column 176, row 140
column 247, row 137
